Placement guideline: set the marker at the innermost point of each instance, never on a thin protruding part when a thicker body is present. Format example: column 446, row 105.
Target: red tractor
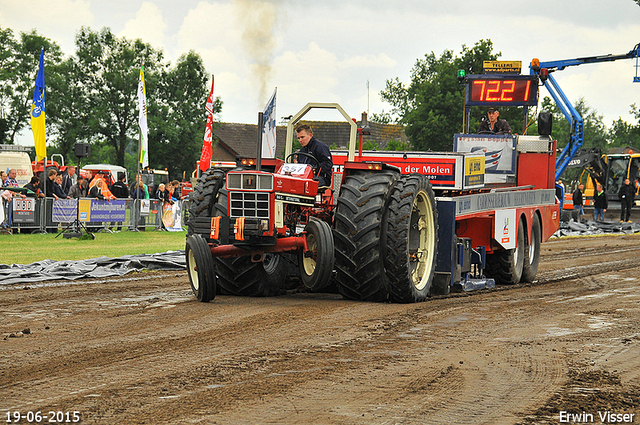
column 249, row 229
column 377, row 233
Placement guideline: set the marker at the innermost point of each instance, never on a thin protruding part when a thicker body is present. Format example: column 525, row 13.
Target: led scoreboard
column 507, row 90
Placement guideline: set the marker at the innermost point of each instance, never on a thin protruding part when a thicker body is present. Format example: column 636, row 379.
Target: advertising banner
column 91, row 210
column 23, row 210
column 64, row 211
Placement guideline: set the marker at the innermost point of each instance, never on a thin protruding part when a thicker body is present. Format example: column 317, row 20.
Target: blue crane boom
column 544, row 71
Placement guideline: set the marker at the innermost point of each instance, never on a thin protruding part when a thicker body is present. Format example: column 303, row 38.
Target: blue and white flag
column 269, row 128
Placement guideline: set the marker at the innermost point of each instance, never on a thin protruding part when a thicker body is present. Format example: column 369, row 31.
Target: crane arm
column 544, row 70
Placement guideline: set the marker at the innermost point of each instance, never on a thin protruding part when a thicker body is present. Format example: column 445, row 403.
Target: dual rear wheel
column 520, row 264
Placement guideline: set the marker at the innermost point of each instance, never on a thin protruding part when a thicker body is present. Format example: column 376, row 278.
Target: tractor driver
column 319, row 150
column 494, row 124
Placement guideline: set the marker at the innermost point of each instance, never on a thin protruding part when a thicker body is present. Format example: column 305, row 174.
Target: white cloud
column 148, row 25
column 57, row 20
column 327, row 51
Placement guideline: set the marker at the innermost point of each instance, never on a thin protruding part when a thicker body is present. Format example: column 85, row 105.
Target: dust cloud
column 258, row 20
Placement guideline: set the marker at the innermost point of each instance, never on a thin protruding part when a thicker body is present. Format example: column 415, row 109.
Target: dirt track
column 141, row 349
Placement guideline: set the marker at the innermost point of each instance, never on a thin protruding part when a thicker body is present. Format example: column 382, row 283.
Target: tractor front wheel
column 200, row 268
column 316, row 265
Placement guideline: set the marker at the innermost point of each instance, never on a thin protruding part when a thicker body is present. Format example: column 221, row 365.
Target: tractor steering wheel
column 314, row 166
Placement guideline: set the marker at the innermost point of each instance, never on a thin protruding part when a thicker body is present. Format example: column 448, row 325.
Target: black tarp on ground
column 94, row 268
column 590, row 227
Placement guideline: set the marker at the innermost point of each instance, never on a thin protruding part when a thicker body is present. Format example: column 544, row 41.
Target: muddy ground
column 141, row 349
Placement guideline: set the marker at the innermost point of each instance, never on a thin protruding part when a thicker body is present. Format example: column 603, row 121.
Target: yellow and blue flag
column 37, row 113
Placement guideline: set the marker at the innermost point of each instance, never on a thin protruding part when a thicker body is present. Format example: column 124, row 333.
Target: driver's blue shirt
column 320, row 151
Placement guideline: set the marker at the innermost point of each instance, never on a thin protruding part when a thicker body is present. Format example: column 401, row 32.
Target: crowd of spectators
column 70, row 184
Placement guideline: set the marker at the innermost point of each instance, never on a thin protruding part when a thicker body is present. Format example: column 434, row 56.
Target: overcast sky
column 327, row 51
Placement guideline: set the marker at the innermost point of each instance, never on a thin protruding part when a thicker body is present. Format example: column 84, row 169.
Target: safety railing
column 31, row 215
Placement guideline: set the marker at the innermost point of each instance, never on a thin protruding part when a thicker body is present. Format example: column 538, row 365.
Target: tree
column 103, row 79
column 177, row 115
column 431, row 106
column 595, row 133
column 18, row 70
column 622, row 133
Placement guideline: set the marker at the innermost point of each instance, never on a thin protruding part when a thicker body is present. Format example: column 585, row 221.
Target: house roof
column 241, row 139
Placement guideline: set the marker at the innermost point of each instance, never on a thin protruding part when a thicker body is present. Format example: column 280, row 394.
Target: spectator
column 577, row 201
column 627, row 194
column 34, row 187
column 136, row 187
column 69, row 178
column 7, row 194
column 79, row 189
column 98, row 189
column 88, row 176
column 171, row 189
column 140, row 191
column 600, row 203
column 57, row 187
column 162, row 193
column 49, row 184
column 177, row 189
column 11, row 179
column 119, row 188
column 3, row 177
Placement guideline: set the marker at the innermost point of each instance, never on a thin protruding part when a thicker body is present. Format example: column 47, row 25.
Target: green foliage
column 91, row 97
column 368, row 145
column 19, row 59
column 595, row 134
column 432, row 106
column 623, row 134
column 397, row 145
column 177, row 118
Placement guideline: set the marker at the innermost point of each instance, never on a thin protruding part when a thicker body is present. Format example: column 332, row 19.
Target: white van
column 111, row 171
column 10, row 159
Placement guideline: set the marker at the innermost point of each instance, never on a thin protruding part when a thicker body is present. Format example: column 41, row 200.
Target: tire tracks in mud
column 308, row 358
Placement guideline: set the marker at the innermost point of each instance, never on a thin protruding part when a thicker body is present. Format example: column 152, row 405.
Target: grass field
column 26, row 249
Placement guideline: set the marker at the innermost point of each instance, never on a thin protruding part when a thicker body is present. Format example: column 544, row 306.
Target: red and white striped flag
column 207, row 144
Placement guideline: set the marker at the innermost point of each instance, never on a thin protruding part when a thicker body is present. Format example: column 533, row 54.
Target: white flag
column 269, row 128
column 142, row 119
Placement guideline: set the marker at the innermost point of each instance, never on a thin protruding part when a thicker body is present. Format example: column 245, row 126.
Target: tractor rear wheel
column 200, row 268
column 506, row 266
column 412, row 239
column 532, row 252
column 316, row 265
column 241, row 276
column 204, row 196
column 358, row 235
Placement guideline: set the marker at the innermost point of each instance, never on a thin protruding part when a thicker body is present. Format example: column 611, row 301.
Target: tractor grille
column 249, row 204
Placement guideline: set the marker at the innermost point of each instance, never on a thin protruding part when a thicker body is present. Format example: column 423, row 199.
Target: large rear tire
column 532, row 252
column 357, row 235
column 241, row 276
column 316, row 266
column 412, row 239
column 506, row 266
column 202, row 276
column 204, row 196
